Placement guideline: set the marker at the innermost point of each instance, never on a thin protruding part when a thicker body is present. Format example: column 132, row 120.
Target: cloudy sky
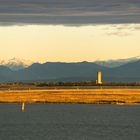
column 69, row 30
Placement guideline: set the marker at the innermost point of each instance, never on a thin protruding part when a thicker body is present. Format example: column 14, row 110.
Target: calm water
column 69, row 122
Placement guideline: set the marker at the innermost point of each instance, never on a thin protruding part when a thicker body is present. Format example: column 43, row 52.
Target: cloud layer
column 69, row 11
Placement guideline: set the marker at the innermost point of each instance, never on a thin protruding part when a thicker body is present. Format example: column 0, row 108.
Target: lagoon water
column 69, row 122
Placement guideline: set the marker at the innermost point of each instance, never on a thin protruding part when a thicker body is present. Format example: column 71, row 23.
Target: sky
column 69, row 30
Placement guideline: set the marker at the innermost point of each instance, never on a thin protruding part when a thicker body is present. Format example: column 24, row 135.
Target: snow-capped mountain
column 15, row 63
column 117, row 62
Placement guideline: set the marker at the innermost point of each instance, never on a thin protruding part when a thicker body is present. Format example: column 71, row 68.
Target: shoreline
column 79, row 96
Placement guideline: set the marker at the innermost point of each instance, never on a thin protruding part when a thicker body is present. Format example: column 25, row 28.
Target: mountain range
column 81, row 71
column 18, row 64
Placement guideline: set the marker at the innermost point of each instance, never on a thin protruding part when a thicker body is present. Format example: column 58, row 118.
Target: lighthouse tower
column 99, row 78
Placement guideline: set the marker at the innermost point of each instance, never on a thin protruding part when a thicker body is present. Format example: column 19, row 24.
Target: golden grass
column 97, row 96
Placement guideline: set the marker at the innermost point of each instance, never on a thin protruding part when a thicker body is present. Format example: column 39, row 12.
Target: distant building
column 99, row 78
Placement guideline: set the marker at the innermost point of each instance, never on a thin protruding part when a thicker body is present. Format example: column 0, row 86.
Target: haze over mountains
column 81, row 71
column 118, row 62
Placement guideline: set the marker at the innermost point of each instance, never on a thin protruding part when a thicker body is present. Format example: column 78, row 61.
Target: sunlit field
column 95, row 96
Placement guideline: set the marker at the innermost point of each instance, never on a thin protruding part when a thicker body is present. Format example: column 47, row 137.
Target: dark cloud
column 69, row 11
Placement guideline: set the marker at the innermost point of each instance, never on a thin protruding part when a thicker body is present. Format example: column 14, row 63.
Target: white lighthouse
column 99, row 78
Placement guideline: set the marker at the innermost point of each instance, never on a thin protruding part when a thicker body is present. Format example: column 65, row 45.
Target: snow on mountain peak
column 15, row 63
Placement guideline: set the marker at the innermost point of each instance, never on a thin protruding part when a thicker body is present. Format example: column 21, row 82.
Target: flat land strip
column 95, row 96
